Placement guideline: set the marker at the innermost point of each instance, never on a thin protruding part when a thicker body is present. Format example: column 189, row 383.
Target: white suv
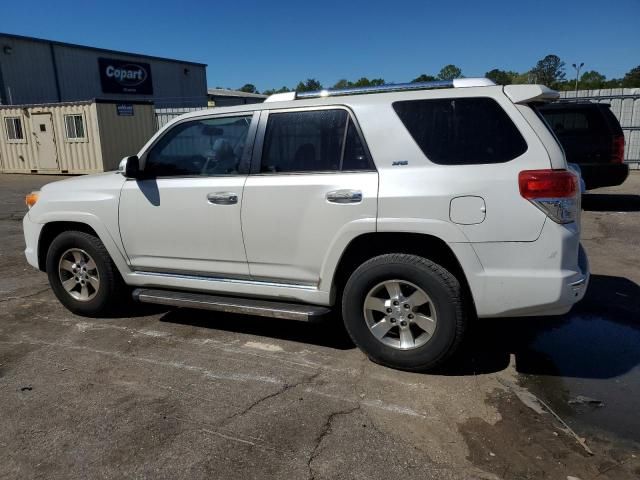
column 414, row 209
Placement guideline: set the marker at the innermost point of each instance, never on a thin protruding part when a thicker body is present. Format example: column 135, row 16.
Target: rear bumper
column 596, row 175
column 545, row 277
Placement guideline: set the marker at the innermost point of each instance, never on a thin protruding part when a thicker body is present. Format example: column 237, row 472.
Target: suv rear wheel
column 82, row 274
column 404, row 311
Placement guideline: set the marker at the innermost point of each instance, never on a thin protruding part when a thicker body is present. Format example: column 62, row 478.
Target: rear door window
column 461, row 131
column 312, row 141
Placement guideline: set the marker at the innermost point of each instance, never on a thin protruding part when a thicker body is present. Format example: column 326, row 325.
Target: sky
column 278, row 43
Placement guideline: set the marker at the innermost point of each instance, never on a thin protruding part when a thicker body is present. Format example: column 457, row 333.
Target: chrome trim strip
column 235, row 281
column 398, row 87
column 579, row 283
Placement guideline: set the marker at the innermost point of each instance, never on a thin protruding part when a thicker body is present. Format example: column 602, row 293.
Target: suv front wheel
column 404, row 311
column 82, row 274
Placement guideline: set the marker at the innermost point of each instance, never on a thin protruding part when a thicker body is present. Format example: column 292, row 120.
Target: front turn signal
column 31, row 199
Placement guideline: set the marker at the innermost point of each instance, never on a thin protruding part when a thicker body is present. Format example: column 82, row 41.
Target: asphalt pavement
column 176, row 393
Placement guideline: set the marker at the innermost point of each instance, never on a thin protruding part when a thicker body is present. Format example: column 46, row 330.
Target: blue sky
column 276, row 43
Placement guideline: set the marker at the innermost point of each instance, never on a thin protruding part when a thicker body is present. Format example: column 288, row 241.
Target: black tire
column 111, row 292
column 440, row 285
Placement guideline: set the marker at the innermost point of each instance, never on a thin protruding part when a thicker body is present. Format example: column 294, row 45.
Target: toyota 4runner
column 411, row 209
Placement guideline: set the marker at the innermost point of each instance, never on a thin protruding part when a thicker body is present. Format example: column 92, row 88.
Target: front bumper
column 31, row 232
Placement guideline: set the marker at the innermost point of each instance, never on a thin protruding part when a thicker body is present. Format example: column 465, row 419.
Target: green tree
column 249, row 88
column 279, row 90
column 632, row 78
column 424, row 78
column 549, row 71
column 365, row 82
column 342, row 83
column 449, row 72
column 501, row 77
column 592, row 80
column 309, row 85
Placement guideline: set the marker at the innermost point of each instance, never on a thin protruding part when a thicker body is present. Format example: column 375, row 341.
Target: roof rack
column 389, row 87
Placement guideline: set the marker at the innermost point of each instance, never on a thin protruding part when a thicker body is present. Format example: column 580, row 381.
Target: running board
column 246, row 306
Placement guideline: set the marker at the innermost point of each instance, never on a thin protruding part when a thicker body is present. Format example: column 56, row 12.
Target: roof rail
column 392, row 87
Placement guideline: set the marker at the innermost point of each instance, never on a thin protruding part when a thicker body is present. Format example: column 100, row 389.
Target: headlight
column 31, row 199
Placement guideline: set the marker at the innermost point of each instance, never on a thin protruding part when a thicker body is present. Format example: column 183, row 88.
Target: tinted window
column 355, row 155
column 200, row 147
column 312, row 141
column 461, row 131
column 563, row 121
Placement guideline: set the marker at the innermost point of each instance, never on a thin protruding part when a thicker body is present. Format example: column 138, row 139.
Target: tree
column 424, row 78
column 549, row 71
column 361, row 82
column 309, row 85
column 273, row 90
column 449, row 72
column 342, row 83
column 632, row 78
column 592, row 80
column 249, row 88
column 501, row 77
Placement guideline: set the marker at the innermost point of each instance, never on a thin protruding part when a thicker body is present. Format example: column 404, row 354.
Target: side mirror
column 130, row 167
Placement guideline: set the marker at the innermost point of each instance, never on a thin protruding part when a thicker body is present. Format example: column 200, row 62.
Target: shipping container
column 75, row 137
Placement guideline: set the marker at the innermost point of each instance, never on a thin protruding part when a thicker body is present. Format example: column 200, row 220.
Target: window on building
column 312, row 141
column 212, row 146
column 74, row 127
column 461, row 131
column 13, row 126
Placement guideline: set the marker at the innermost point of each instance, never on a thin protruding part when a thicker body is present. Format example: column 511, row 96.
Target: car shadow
column 599, row 338
column 329, row 332
column 609, row 202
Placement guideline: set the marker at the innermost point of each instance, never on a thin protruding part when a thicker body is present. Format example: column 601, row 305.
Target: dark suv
column 592, row 138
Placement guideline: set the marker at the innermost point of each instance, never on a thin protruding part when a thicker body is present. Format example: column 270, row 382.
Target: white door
column 45, row 141
column 184, row 216
column 313, row 187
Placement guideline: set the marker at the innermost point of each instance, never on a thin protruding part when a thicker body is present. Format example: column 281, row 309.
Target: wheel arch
column 51, row 230
column 369, row 245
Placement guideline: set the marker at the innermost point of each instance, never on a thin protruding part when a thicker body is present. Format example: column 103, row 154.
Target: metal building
column 223, row 97
column 36, row 71
column 73, row 137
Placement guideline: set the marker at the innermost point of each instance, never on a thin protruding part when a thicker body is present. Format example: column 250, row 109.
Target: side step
column 246, row 306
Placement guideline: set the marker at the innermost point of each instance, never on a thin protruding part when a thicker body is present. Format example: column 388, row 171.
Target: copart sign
column 118, row 76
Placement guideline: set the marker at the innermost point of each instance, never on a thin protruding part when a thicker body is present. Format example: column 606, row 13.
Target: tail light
column 555, row 192
column 618, row 149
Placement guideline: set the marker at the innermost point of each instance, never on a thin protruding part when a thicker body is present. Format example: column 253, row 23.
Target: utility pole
column 577, row 67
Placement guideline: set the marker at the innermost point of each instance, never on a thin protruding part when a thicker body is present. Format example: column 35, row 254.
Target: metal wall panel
column 80, row 78
column 121, row 136
column 165, row 115
column 27, row 72
column 16, row 157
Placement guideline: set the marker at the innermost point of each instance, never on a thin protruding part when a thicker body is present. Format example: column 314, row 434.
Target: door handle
column 344, row 196
column 223, row 198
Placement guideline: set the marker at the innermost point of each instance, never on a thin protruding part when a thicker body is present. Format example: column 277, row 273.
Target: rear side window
column 312, row 141
column 461, row 131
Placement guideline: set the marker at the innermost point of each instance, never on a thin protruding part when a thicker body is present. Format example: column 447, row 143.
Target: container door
column 45, row 141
